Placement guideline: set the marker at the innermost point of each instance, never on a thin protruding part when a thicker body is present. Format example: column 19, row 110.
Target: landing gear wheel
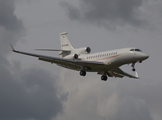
column 133, row 69
column 83, row 73
column 104, row 77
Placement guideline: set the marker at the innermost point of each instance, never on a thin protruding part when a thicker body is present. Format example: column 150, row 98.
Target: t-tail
column 66, row 46
column 67, row 51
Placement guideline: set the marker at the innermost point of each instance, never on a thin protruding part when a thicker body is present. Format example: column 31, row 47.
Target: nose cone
column 145, row 56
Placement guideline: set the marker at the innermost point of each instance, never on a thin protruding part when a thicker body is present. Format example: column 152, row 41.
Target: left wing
column 71, row 64
column 117, row 72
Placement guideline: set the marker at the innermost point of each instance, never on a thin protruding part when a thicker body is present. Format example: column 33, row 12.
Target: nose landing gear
column 133, row 67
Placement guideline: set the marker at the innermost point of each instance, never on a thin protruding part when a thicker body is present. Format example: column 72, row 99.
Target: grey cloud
column 25, row 94
column 8, row 20
column 148, row 91
column 129, row 107
column 11, row 29
column 7, row 37
column 106, row 101
column 72, row 11
column 119, row 106
column 33, row 95
column 106, row 13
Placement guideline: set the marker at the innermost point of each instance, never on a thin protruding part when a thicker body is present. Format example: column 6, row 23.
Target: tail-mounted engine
column 75, row 56
column 77, row 52
column 84, row 50
column 72, row 56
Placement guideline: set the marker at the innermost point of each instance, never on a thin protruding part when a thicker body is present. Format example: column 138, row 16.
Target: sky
column 36, row 90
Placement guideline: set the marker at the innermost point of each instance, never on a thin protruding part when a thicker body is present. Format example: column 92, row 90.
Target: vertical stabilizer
column 65, row 44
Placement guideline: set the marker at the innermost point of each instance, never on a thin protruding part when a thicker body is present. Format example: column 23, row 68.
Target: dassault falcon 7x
column 105, row 63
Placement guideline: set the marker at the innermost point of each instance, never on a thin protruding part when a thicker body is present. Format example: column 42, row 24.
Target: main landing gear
column 104, row 77
column 83, row 73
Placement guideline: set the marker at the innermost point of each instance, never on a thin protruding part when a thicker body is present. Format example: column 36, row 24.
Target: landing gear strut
column 83, row 73
column 104, row 77
column 133, row 67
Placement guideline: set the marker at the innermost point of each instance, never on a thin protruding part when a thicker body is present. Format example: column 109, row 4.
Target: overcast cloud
column 11, row 29
column 24, row 94
column 33, row 95
column 108, row 13
column 34, row 90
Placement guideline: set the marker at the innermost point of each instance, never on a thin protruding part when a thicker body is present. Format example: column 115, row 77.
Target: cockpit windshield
column 136, row 50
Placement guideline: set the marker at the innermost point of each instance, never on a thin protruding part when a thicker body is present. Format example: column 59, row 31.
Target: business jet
column 105, row 63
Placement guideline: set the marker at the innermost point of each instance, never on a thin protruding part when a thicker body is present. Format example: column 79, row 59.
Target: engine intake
column 75, row 56
column 88, row 49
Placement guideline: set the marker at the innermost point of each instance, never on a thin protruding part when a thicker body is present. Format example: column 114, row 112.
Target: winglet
column 136, row 74
column 12, row 48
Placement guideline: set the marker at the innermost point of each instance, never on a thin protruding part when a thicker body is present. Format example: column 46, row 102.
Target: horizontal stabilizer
column 53, row 50
column 64, row 33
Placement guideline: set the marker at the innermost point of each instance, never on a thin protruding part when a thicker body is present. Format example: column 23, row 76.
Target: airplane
column 105, row 63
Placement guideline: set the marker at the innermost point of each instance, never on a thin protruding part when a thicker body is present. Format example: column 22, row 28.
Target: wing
column 67, row 63
column 119, row 73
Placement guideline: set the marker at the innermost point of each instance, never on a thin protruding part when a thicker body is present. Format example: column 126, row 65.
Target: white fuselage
column 115, row 58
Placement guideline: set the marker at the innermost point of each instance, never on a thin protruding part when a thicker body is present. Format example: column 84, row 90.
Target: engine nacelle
column 72, row 56
column 84, row 50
